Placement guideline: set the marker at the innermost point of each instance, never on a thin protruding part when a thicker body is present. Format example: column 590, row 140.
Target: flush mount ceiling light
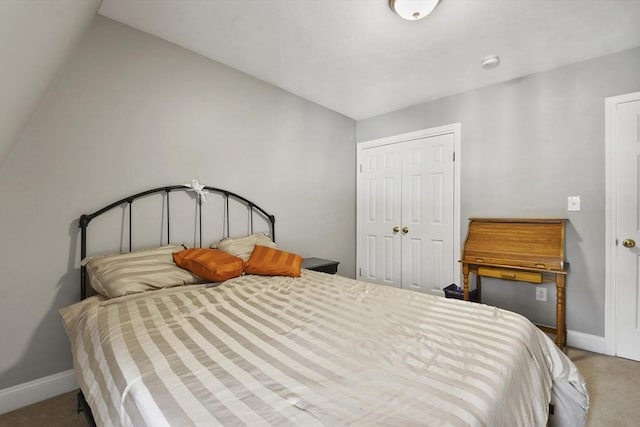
column 413, row 10
column 491, row 61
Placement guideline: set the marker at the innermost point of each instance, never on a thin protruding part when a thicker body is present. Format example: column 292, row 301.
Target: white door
column 406, row 219
column 625, row 122
column 427, row 213
column 379, row 196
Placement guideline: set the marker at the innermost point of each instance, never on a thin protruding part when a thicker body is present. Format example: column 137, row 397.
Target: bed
column 317, row 349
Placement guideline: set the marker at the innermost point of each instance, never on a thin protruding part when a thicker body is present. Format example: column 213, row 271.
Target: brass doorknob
column 396, row 229
column 629, row 243
column 405, row 230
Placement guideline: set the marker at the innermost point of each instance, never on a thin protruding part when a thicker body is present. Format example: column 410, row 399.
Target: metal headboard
column 87, row 218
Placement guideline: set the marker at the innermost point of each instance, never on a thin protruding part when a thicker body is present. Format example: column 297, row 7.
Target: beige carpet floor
column 59, row 411
column 614, row 387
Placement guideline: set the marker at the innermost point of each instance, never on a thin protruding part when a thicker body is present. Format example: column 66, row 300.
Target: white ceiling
column 358, row 58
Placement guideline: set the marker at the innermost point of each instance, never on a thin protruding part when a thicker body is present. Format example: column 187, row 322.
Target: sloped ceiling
column 360, row 59
column 353, row 56
column 36, row 37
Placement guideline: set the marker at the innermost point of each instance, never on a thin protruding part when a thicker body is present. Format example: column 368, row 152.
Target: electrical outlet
column 541, row 294
column 573, row 203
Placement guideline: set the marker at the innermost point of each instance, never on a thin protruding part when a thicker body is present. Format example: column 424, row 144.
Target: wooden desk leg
column 465, row 281
column 561, row 330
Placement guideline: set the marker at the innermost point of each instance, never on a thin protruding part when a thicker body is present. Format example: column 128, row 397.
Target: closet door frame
column 455, row 130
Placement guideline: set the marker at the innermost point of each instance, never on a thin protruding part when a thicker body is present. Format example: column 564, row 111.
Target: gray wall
column 527, row 144
column 36, row 37
column 131, row 112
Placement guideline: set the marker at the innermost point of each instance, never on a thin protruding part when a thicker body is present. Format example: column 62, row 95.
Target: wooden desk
column 520, row 249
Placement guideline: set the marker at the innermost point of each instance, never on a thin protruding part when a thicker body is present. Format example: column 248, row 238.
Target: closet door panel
column 381, row 171
column 427, row 212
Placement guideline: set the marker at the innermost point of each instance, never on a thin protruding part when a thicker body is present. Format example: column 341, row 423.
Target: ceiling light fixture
column 491, row 61
column 413, row 10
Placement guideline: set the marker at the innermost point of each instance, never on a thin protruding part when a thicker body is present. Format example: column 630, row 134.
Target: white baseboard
column 584, row 341
column 34, row 391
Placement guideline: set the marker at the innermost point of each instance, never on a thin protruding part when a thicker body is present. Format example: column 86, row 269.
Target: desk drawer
column 502, row 273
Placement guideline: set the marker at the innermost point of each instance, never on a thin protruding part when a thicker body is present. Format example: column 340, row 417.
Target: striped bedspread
column 316, row 350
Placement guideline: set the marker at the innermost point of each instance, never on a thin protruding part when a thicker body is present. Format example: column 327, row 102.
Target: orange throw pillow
column 266, row 261
column 210, row 264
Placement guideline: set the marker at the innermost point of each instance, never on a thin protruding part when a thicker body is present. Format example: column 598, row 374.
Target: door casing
column 455, row 130
column 611, row 200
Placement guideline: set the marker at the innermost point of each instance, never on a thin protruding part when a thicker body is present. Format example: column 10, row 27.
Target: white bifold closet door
column 405, row 213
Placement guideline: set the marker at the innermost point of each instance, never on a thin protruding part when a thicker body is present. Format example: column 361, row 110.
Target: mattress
column 316, row 350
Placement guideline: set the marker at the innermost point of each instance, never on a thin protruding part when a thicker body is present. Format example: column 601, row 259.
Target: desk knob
column 629, row 243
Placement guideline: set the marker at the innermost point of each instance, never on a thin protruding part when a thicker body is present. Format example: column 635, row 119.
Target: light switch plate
column 573, row 203
column 541, row 294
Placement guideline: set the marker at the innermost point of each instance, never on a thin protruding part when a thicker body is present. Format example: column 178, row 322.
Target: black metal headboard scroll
column 86, row 219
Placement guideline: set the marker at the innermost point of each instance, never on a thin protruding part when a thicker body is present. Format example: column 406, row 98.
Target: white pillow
column 242, row 247
column 122, row 274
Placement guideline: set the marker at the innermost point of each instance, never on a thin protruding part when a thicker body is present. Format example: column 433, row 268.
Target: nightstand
column 322, row 265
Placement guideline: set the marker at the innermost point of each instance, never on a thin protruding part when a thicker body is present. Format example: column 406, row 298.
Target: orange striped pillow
column 210, row 264
column 266, row 261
